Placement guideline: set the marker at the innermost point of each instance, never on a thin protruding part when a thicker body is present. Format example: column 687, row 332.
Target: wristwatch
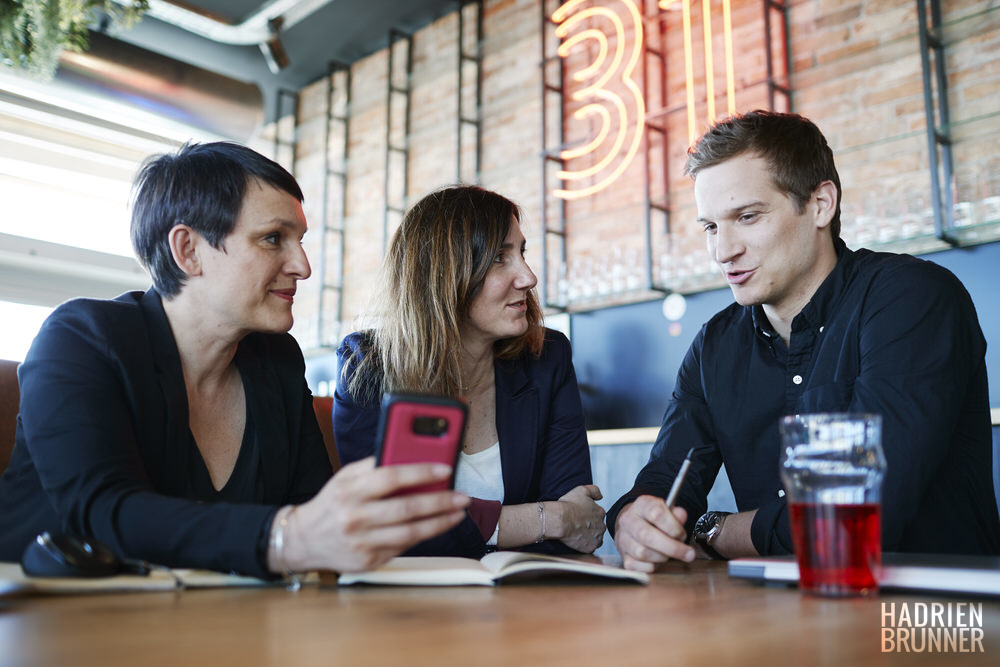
column 707, row 531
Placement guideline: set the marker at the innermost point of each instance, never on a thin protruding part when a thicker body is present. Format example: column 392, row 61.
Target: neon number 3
column 608, row 106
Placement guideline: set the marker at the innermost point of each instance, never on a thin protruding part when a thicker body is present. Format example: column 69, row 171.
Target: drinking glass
column 832, row 467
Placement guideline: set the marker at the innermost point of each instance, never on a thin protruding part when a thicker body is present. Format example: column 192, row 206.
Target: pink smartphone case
column 398, row 443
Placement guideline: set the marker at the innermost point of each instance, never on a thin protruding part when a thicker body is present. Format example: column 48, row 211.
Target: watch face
column 704, row 525
column 707, row 526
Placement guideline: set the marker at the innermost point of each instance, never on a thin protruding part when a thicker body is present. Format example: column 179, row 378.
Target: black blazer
column 543, row 438
column 103, row 448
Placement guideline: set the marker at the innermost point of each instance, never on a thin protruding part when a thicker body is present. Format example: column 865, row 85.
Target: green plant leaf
column 34, row 33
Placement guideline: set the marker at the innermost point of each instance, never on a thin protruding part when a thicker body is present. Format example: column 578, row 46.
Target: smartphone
column 420, row 428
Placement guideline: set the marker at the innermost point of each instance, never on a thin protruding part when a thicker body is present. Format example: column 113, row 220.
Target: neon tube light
column 566, row 17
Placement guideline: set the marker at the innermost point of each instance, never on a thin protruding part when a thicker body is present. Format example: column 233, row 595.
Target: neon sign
column 727, row 28
column 617, row 56
column 608, row 107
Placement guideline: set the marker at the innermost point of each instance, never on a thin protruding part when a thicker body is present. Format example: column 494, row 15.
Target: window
column 66, row 167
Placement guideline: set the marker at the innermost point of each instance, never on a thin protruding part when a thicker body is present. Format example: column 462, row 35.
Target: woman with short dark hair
column 175, row 425
column 455, row 315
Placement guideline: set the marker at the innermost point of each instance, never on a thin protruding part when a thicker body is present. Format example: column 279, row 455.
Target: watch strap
column 709, row 550
column 705, row 538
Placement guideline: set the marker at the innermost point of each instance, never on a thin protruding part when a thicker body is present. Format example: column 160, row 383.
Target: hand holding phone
column 420, row 428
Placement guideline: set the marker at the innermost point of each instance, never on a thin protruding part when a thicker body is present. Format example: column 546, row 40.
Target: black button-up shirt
column 884, row 333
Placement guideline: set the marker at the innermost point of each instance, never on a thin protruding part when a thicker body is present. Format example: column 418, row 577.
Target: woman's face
column 253, row 275
column 500, row 308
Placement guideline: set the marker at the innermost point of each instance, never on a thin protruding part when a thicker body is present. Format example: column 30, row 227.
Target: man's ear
column 824, row 203
column 184, row 246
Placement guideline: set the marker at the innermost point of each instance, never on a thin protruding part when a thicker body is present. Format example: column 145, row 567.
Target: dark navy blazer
column 543, row 439
column 103, row 448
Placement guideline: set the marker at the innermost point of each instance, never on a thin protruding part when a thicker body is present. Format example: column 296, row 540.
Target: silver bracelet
column 278, row 538
column 541, row 516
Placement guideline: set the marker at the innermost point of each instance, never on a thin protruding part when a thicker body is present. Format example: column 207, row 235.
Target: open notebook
column 489, row 571
column 942, row 573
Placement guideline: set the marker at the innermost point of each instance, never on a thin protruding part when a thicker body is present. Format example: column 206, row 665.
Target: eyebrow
column 284, row 223
column 735, row 210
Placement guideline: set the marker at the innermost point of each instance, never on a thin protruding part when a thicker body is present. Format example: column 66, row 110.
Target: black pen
column 679, row 480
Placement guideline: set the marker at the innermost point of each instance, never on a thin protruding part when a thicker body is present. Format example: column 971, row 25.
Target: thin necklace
column 466, row 388
column 478, row 384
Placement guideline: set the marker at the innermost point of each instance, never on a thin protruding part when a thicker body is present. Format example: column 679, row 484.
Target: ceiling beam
column 41, row 273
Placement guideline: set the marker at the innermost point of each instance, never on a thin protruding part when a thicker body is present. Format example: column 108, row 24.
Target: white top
column 480, row 476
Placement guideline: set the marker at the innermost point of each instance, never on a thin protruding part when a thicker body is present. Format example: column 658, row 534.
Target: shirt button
column 797, row 379
column 821, row 329
column 781, row 493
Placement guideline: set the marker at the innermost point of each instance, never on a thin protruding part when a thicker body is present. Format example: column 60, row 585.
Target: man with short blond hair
column 816, row 327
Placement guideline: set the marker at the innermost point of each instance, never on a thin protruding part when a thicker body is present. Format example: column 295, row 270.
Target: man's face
column 768, row 250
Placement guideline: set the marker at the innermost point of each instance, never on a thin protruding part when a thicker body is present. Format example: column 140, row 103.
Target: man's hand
column 647, row 534
column 355, row 523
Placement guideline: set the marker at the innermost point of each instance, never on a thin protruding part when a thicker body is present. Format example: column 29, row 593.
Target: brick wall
column 855, row 70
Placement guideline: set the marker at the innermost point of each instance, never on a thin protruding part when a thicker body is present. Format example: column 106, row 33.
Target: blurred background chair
column 10, row 398
column 323, row 406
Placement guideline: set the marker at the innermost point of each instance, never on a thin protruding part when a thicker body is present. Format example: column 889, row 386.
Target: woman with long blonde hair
column 455, row 314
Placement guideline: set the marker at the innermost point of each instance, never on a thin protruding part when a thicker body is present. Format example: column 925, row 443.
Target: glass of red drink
column 832, row 467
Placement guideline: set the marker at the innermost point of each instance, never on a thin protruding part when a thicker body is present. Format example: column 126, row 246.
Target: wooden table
column 688, row 615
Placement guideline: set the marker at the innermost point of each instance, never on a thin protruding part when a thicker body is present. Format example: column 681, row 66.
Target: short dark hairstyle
column 201, row 186
column 797, row 152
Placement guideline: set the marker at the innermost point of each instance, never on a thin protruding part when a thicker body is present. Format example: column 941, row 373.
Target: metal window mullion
column 938, row 137
column 394, row 36
column 659, row 54
column 772, row 86
column 326, row 227
column 285, row 94
column 547, row 157
column 477, row 121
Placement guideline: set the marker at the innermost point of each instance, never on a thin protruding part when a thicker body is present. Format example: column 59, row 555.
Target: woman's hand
column 579, row 520
column 352, row 524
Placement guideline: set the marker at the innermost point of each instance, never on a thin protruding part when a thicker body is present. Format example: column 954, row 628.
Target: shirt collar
column 827, row 297
column 823, row 302
column 761, row 324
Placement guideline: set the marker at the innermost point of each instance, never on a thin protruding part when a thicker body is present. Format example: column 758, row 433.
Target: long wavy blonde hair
column 436, row 264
